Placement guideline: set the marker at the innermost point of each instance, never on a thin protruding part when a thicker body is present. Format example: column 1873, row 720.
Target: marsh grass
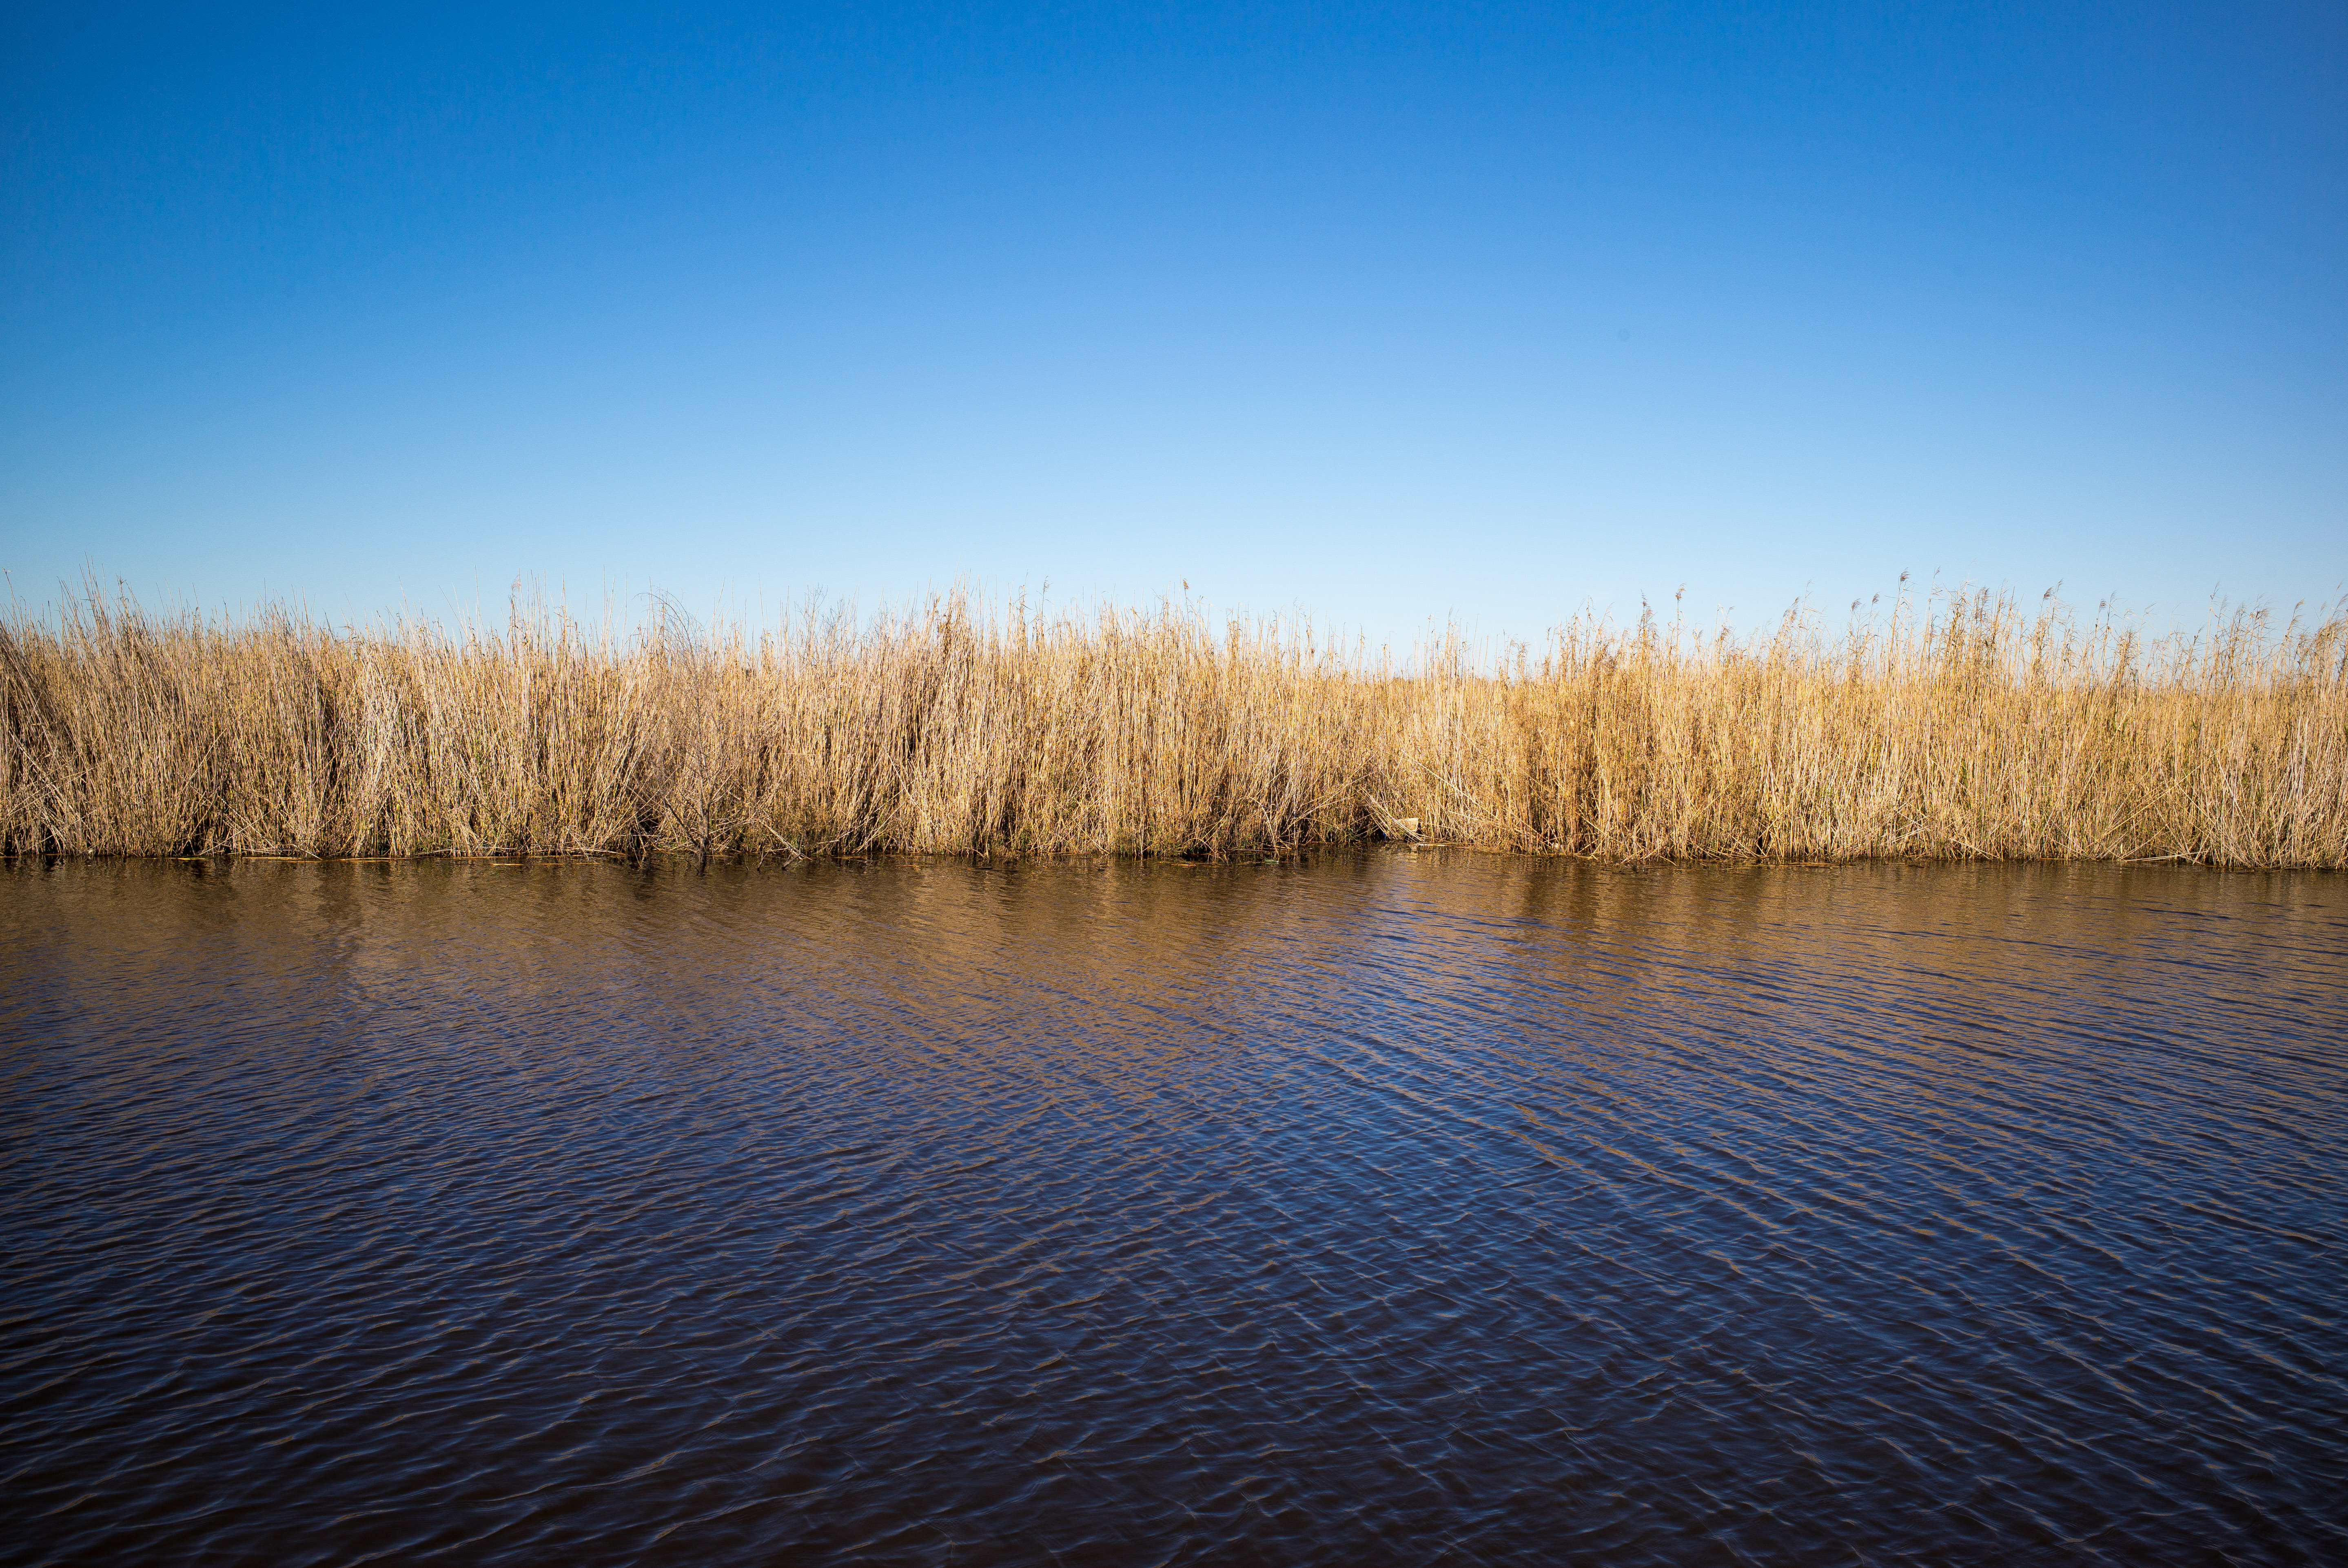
column 1958, row 726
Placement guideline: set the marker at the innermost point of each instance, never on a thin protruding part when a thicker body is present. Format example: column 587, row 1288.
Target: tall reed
column 1958, row 726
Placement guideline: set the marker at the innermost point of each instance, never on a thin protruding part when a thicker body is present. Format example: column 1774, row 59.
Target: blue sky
column 1383, row 314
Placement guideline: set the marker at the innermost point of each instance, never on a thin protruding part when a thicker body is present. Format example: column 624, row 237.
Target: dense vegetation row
column 1958, row 726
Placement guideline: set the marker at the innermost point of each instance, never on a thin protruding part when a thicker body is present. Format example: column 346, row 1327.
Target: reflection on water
column 1385, row 1208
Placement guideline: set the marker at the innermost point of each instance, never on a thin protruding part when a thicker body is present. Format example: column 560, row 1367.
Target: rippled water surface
column 1385, row 1209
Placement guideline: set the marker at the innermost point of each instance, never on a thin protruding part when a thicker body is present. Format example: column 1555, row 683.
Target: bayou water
column 1387, row 1208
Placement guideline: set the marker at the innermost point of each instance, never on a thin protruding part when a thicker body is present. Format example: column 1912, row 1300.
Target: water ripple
column 1387, row 1208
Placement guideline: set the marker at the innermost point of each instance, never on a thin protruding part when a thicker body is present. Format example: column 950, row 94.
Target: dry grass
column 1958, row 727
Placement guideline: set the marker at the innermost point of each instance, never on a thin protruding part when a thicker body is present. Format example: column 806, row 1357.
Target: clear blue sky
column 1382, row 312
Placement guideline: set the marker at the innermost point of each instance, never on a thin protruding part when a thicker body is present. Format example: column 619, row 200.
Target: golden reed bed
column 1957, row 726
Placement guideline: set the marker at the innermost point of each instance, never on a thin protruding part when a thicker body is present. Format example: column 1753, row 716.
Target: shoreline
column 677, row 859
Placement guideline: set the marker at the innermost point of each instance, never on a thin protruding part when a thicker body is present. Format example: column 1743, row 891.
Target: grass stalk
column 1959, row 726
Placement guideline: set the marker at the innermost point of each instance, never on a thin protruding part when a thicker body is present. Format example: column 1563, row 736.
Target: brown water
column 1380, row 1209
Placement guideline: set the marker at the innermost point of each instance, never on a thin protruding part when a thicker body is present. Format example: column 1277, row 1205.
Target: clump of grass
column 1958, row 726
